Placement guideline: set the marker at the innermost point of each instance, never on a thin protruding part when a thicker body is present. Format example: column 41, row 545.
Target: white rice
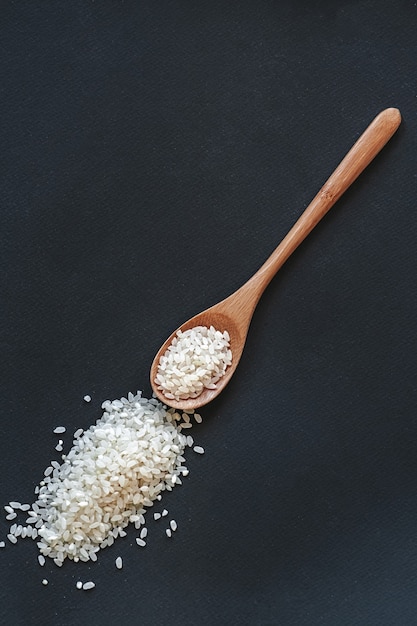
column 44, row 581
column 87, row 398
column 59, row 430
column 168, row 532
column 195, row 360
column 198, row 449
column 115, row 470
column 89, row 585
column 79, row 584
column 173, row 525
column 2, row 544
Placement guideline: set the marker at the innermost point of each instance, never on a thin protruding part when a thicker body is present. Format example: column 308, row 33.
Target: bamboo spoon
column 234, row 314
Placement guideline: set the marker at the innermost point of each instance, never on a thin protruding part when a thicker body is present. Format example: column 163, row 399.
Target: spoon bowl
column 234, row 314
column 221, row 321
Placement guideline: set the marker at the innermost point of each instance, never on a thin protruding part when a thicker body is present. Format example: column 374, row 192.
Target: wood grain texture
column 234, row 313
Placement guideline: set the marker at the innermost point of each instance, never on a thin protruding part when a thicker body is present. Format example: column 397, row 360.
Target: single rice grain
column 89, row 585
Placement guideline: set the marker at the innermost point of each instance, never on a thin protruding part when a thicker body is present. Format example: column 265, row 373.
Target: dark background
column 152, row 155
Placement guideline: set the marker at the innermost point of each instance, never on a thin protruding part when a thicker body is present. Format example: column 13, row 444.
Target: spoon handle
column 357, row 159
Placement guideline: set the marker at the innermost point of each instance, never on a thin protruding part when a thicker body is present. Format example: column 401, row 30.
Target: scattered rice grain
column 89, row 585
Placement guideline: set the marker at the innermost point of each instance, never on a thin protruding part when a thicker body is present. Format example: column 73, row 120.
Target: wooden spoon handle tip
column 372, row 140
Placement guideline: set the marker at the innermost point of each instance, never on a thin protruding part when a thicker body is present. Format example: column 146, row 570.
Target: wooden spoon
column 234, row 314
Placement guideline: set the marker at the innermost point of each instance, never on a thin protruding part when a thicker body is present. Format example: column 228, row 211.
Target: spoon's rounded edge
column 395, row 116
column 220, row 322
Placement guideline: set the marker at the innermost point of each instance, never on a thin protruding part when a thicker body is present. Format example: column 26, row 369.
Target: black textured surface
column 152, row 155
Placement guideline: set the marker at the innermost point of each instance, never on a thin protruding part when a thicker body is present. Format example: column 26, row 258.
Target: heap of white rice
column 195, row 360
column 114, row 470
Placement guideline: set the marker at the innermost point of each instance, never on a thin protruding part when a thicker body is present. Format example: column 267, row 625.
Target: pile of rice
column 195, row 360
column 114, row 470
